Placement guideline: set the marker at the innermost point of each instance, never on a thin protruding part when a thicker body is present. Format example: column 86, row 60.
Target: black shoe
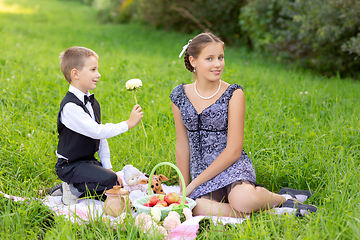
column 301, row 195
column 301, row 209
column 56, row 191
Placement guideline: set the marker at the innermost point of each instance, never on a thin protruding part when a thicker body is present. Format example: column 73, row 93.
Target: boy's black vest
column 73, row 145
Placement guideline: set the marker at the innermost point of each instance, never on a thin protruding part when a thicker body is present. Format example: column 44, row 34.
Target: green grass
column 308, row 141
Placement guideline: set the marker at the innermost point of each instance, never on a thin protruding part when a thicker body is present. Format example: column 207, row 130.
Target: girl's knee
column 244, row 199
column 244, row 206
column 207, row 207
column 200, row 208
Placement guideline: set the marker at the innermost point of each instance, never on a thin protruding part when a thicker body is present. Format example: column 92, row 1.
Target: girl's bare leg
column 207, row 207
column 243, row 199
column 246, row 198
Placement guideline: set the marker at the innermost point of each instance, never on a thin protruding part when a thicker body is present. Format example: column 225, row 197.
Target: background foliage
column 221, row 17
column 323, row 35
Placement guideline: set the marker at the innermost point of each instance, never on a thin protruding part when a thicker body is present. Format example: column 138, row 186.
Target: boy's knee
column 111, row 180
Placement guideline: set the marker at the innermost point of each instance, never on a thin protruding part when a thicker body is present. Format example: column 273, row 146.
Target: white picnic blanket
column 88, row 209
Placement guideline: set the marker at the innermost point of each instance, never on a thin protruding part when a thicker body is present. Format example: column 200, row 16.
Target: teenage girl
column 209, row 119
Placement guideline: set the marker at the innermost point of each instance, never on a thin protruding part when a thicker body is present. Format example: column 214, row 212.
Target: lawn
column 302, row 130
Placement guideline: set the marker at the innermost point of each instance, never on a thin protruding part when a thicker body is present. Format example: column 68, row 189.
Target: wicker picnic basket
column 138, row 204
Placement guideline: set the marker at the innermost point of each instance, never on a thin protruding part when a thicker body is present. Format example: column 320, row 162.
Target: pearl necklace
column 206, row 98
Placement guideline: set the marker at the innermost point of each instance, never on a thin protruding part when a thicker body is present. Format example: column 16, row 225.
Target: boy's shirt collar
column 79, row 94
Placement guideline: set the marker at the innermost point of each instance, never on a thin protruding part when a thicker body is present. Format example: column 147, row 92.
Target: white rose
column 175, row 214
column 141, row 219
column 122, row 218
column 162, row 231
column 156, row 214
column 150, row 227
column 188, row 213
column 133, row 84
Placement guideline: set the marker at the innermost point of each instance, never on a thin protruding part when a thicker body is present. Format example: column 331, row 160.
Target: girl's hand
column 135, row 116
column 189, row 189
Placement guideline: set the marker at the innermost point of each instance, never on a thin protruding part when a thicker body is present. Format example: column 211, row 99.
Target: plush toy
column 155, row 183
column 132, row 177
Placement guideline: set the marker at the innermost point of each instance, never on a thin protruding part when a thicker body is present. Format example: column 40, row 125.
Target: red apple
column 161, row 197
column 171, row 198
column 179, row 202
column 159, row 205
column 147, row 204
column 162, row 203
column 153, row 200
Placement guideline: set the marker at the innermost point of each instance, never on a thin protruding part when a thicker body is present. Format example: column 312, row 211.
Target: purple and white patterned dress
column 207, row 134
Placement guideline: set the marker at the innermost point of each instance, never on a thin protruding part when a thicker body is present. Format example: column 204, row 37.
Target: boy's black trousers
column 86, row 175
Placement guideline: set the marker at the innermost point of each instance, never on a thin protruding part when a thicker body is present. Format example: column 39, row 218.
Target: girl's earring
column 194, row 70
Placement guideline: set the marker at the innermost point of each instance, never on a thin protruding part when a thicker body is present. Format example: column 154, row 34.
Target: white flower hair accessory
column 184, row 48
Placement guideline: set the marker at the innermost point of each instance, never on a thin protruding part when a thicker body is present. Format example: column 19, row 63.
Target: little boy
column 81, row 133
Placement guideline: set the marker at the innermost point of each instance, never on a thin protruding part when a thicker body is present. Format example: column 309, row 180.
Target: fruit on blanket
column 180, row 198
column 174, row 204
column 171, row 198
column 161, row 197
column 159, row 205
column 147, row 204
column 153, row 200
column 162, row 203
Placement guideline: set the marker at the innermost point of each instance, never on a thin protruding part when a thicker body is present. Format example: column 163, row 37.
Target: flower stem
column 140, row 120
column 135, row 96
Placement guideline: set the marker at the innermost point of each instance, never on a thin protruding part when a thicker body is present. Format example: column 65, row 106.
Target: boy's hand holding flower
column 135, row 116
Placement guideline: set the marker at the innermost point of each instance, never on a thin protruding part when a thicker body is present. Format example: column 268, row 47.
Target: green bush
column 322, row 34
column 220, row 17
column 88, row 2
column 352, row 46
column 319, row 34
column 116, row 11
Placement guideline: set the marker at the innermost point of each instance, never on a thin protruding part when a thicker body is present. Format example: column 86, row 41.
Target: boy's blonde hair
column 74, row 57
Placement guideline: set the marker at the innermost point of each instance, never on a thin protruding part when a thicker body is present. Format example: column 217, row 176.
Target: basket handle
column 181, row 178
